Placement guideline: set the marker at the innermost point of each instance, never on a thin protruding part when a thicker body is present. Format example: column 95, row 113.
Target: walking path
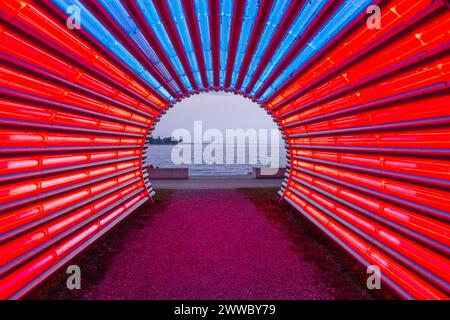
column 212, row 244
column 216, row 183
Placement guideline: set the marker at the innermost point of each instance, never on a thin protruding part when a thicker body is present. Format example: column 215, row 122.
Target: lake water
column 198, row 158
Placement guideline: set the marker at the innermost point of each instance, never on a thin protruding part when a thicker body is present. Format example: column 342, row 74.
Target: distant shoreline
column 226, row 144
column 164, row 141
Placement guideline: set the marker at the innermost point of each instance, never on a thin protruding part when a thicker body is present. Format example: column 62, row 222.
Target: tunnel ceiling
column 365, row 112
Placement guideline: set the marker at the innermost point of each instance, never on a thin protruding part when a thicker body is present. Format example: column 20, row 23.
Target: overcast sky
column 218, row 110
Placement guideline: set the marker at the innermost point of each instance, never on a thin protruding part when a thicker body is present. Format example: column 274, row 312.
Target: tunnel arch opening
column 245, row 133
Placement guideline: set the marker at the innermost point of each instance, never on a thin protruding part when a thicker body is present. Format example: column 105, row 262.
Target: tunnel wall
column 365, row 113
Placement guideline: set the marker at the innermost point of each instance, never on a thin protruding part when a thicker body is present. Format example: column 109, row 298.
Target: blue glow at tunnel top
column 202, row 13
column 276, row 15
column 340, row 19
column 121, row 16
column 226, row 11
column 301, row 23
column 154, row 21
column 179, row 18
column 97, row 30
column 250, row 12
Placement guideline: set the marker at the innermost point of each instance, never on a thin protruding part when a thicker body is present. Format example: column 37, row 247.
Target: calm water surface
column 243, row 163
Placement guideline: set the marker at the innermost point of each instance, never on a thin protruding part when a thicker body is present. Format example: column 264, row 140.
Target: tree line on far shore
column 165, row 140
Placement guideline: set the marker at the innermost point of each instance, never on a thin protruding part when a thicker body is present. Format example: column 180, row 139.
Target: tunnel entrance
column 216, row 134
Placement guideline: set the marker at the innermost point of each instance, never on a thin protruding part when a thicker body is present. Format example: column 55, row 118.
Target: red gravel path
column 211, row 244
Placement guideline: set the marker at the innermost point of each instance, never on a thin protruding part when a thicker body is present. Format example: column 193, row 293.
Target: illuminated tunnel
column 364, row 109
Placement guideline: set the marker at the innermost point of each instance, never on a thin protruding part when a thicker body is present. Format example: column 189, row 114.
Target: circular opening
column 217, row 134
